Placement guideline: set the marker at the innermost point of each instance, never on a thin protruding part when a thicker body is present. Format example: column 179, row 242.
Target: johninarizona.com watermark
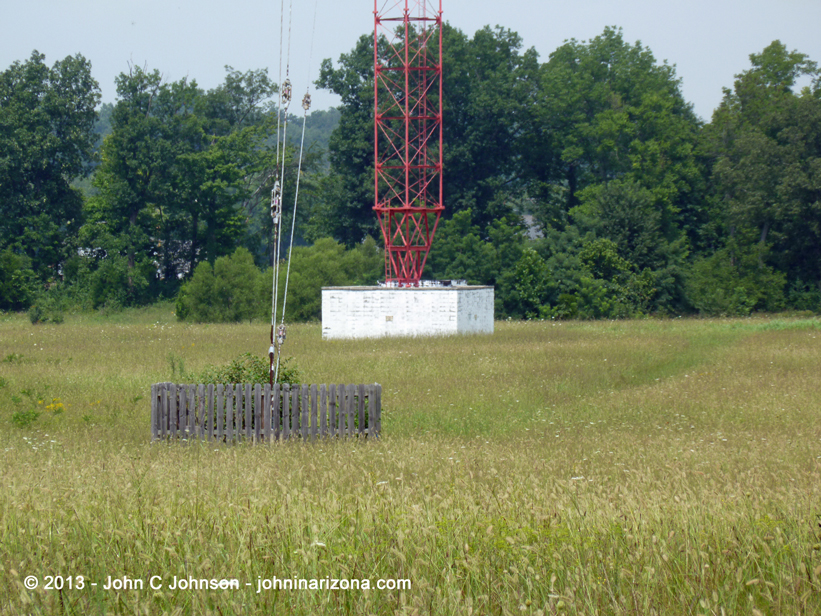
column 156, row 582
column 329, row 583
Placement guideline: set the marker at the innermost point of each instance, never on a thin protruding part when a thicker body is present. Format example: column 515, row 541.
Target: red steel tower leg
column 407, row 132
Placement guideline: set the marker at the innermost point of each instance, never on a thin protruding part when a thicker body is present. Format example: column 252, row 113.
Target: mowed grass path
column 641, row 467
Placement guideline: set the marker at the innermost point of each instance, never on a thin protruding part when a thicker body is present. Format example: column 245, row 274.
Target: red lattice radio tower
column 407, row 132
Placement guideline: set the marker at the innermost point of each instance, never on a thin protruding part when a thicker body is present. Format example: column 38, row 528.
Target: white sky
column 708, row 40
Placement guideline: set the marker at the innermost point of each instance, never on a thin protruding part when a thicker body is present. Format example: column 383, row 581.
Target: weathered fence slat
column 303, row 423
column 220, row 410
column 352, row 418
column 193, row 418
column 199, row 428
column 361, row 425
column 259, row 413
column 332, row 409
column 276, row 412
column 209, row 435
column 248, row 421
column 323, row 418
column 173, row 417
column 296, row 410
column 195, row 414
column 237, row 426
column 351, row 392
column 286, row 411
column 313, row 412
column 258, row 416
column 228, row 425
column 266, row 412
column 192, row 411
column 369, row 396
column 182, row 412
column 340, row 411
column 163, row 410
column 185, row 410
column 238, row 421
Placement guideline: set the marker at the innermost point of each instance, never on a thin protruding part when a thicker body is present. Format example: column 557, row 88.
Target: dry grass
column 647, row 467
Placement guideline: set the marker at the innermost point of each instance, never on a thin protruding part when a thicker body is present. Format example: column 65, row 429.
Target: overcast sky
column 708, row 40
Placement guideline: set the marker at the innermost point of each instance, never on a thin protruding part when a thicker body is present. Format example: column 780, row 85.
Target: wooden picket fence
column 261, row 413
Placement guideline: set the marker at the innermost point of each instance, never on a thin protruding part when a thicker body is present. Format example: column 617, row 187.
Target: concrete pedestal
column 373, row 312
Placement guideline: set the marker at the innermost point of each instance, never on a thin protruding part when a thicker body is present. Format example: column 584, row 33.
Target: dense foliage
column 582, row 186
column 234, row 289
column 46, row 139
column 249, row 368
column 635, row 207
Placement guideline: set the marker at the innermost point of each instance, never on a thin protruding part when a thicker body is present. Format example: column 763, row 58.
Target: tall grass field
column 632, row 467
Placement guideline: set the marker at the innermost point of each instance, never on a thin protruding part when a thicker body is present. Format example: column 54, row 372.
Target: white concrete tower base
column 373, row 312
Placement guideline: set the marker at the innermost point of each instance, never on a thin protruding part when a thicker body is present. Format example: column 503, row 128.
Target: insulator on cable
column 271, row 350
column 276, row 202
column 286, row 93
column 280, row 335
column 306, row 102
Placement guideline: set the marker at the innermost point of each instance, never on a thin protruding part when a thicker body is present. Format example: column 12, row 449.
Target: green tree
column 228, row 292
column 590, row 279
column 608, row 286
column 485, row 87
column 624, row 212
column 608, row 148
column 134, row 202
column 235, row 289
column 319, row 126
column 18, row 283
column 605, row 110
column 47, row 119
column 461, row 250
column 627, row 214
column 185, row 176
column 326, row 264
column 765, row 145
column 346, row 212
column 488, row 85
column 734, row 282
column 532, row 285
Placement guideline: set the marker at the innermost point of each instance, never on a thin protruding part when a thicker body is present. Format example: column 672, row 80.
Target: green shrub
column 802, row 296
column 45, row 309
column 249, row 368
column 597, row 283
column 325, row 264
column 235, row 289
column 101, row 284
column 531, row 287
column 110, row 281
column 228, row 292
column 23, row 419
column 35, row 314
column 18, row 282
column 45, row 314
column 735, row 284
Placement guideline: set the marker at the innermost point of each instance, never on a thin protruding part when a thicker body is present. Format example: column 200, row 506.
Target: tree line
column 583, row 186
